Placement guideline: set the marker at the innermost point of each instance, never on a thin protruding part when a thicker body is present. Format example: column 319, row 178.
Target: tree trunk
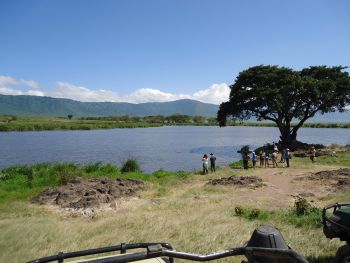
column 288, row 138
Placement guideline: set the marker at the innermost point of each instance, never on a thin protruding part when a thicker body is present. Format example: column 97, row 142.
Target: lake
column 171, row 148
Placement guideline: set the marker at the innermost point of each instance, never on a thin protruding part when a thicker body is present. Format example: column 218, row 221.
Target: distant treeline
column 161, row 119
column 15, row 123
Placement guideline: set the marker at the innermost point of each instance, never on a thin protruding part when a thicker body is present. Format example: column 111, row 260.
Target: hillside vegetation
column 46, row 106
column 55, row 107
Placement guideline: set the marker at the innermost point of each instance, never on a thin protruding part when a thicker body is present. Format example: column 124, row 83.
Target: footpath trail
column 281, row 186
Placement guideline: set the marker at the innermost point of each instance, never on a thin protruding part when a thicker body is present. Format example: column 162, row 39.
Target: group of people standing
column 265, row 157
column 206, row 160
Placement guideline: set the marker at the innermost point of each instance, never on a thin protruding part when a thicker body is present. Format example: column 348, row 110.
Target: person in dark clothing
column 287, row 156
column 212, row 162
column 246, row 158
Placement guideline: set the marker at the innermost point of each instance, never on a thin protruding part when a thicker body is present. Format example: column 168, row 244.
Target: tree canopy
column 283, row 95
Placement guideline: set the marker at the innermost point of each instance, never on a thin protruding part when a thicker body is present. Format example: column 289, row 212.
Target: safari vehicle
column 336, row 224
column 265, row 245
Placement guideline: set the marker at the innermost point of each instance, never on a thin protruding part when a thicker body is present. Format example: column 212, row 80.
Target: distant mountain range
column 55, row 107
column 47, row 106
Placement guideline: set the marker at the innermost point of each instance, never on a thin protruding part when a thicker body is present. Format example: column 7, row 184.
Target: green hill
column 47, row 106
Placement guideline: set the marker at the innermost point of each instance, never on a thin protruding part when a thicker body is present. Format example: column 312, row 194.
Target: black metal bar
column 122, row 248
column 62, row 256
column 122, row 258
column 267, row 252
column 164, row 250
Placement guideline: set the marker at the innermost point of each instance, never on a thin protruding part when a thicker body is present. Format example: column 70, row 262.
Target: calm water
column 170, row 148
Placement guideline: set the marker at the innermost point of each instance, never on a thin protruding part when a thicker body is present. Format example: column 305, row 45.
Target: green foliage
column 92, row 167
column 24, row 182
column 239, row 210
column 341, row 158
column 302, row 206
column 130, row 165
column 111, row 122
column 240, row 164
column 250, row 213
column 312, row 219
column 108, row 169
column 280, row 95
column 301, row 215
column 20, row 182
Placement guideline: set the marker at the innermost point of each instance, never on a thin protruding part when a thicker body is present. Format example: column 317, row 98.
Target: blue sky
column 159, row 50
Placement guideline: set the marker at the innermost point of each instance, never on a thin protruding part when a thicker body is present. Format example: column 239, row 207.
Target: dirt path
column 282, row 186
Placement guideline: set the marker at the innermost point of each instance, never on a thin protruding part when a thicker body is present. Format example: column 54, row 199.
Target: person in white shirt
column 205, row 161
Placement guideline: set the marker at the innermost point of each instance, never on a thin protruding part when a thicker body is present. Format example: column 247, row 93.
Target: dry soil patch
column 239, row 181
column 89, row 194
column 336, row 179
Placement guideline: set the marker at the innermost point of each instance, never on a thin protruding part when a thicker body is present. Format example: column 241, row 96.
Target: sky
column 160, row 50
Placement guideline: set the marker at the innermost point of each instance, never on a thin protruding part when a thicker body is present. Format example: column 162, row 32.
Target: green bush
column 302, row 206
column 251, row 213
column 92, row 167
column 239, row 210
column 109, row 168
column 130, row 165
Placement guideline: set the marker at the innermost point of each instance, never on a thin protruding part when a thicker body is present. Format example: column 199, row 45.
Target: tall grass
column 24, row 182
column 311, row 219
column 130, row 165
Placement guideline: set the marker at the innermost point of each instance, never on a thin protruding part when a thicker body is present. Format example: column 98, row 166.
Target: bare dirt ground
column 279, row 187
column 269, row 188
column 239, row 181
column 89, row 196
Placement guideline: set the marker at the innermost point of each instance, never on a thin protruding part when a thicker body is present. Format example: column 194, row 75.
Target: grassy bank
column 179, row 208
column 48, row 124
column 14, row 123
column 24, row 182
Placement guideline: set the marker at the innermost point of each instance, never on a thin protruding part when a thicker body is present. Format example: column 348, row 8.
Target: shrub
column 239, row 210
column 130, row 165
column 92, row 167
column 302, row 206
column 108, row 168
column 29, row 177
column 251, row 213
column 64, row 177
column 254, row 213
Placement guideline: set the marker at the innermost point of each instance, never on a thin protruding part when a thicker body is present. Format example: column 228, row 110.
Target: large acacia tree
column 286, row 96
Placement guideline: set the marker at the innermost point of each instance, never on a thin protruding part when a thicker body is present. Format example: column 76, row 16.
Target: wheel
column 343, row 254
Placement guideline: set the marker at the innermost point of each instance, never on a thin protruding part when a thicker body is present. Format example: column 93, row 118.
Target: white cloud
column 11, row 86
column 215, row 94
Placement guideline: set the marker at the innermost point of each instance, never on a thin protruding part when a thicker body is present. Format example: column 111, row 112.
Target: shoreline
column 85, row 126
